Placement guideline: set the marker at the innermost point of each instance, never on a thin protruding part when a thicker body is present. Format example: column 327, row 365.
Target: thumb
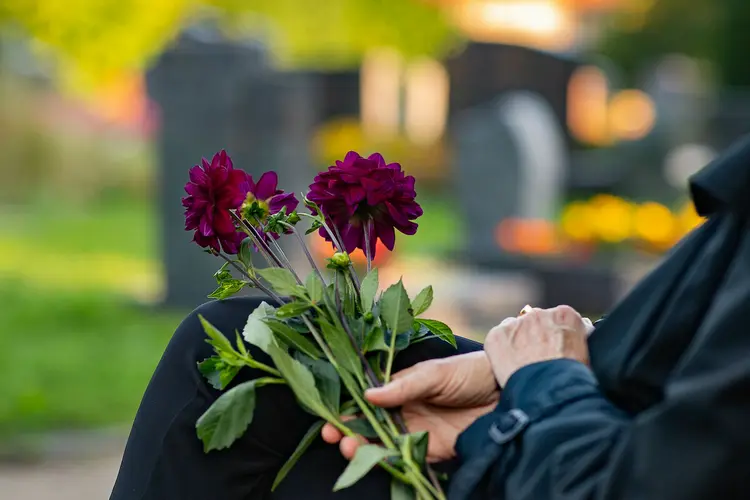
column 412, row 386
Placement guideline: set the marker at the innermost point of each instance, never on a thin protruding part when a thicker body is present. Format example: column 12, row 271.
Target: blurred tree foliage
column 95, row 40
column 712, row 30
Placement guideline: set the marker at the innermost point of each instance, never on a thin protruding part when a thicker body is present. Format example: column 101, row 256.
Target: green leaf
column 326, row 380
column 363, row 427
column 402, row 340
column 357, row 327
column 281, row 280
column 314, row 287
column 375, row 340
column 348, row 295
column 228, row 418
column 222, row 274
column 300, row 379
column 419, row 442
column 367, row 456
column 394, row 308
column 341, row 347
column 246, row 252
column 240, row 344
column 309, row 438
column 369, row 289
column 216, row 338
column 292, row 309
column 401, row 491
column 210, row 368
column 440, row 330
column 256, row 331
column 217, row 372
column 294, row 339
column 227, row 288
column 422, row 301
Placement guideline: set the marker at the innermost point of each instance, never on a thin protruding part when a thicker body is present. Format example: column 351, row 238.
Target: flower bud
column 340, row 260
column 293, row 218
column 369, row 318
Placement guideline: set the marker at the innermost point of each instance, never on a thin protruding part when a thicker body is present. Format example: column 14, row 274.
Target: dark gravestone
column 483, row 71
column 511, row 163
column 486, row 165
column 196, row 85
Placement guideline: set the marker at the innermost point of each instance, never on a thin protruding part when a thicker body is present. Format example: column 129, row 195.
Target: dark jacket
column 664, row 411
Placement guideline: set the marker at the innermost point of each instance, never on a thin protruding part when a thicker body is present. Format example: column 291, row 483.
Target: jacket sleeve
column 554, row 435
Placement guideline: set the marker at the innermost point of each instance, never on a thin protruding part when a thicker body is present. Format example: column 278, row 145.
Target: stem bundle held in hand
column 333, row 335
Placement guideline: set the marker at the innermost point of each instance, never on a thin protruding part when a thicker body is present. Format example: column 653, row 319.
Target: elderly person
column 656, row 405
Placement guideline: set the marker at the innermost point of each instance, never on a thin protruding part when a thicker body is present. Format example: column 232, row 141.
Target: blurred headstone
column 483, row 71
column 215, row 94
column 511, row 163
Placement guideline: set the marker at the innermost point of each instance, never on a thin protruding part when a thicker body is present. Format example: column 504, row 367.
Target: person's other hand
column 538, row 335
column 441, row 396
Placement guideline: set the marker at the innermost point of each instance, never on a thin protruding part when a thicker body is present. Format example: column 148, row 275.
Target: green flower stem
column 261, row 366
column 281, row 254
column 368, row 251
column 415, row 472
column 354, row 391
column 307, row 251
column 339, row 244
column 389, row 362
column 253, row 279
column 272, row 259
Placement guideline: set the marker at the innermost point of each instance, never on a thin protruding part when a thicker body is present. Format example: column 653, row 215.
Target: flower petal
column 277, row 202
column 197, row 175
column 206, row 225
column 266, row 186
column 223, row 223
column 386, row 234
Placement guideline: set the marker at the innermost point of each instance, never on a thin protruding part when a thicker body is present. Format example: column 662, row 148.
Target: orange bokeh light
column 528, row 236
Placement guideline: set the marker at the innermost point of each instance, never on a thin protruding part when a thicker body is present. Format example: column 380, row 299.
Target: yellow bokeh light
column 655, row 223
column 576, row 222
column 612, row 219
column 632, row 115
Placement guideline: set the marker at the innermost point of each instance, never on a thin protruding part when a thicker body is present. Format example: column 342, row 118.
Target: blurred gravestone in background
column 484, row 71
column 214, row 94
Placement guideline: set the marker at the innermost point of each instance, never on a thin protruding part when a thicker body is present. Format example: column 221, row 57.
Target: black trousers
column 164, row 459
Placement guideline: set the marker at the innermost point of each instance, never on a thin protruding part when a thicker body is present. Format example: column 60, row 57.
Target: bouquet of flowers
column 330, row 334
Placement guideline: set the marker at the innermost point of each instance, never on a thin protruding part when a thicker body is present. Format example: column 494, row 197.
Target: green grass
column 78, row 352
column 126, row 228
column 74, row 360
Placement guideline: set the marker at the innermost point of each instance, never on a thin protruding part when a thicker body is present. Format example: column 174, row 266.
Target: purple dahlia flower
column 264, row 198
column 360, row 189
column 214, row 189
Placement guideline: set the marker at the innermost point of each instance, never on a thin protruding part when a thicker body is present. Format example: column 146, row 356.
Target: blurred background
column 551, row 140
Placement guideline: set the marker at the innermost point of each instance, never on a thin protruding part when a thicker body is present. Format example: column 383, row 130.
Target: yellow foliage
column 95, row 41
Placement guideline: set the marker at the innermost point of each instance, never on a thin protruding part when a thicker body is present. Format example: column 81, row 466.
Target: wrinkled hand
column 538, row 335
column 441, row 396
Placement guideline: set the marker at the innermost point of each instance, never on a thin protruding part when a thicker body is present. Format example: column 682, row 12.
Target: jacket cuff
column 531, row 393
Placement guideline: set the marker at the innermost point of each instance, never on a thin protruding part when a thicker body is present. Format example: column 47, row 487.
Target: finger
column 507, row 322
column 589, row 326
column 566, row 315
column 331, row 434
column 348, row 447
column 417, row 384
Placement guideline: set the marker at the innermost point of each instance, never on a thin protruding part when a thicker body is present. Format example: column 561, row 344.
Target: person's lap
column 164, row 459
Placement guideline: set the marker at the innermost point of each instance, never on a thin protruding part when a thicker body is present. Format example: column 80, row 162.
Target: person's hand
column 537, row 335
column 441, row 396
